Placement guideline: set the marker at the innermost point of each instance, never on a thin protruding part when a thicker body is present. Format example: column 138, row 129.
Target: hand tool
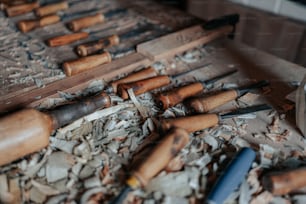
column 21, row 9
column 205, row 104
column 203, row 121
column 142, row 86
column 171, row 144
column 144, row 74
column 28, row 130
column 85, row 22
column 31, row 24
column 93, row 47
column 53, row 8
column 232, row 177
column 171, row 98
column 281, row 183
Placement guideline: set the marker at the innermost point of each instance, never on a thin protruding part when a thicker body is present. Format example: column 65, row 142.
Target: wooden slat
column 75, row 83
column 174, row 43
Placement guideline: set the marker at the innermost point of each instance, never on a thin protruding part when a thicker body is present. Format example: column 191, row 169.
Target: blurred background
column 275, row 26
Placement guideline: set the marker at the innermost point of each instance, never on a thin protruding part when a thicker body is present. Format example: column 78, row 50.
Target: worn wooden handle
column 142, row 86
column 66, row 39
column 281, row 183
column 22, row 133
column 86, row 63
column 191, row 123
column 51, row 8
column 28, row 25
column 171, row 98
column 161, row 155
column 68, row 113
column 85, row 22
column 206, row 104
column 94, row 47
column 142, row 74
column 21, row 9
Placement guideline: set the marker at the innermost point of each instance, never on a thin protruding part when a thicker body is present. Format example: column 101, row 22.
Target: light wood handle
column 51, row 8
column 66, row 39
column 28, row 25
column 282, row 183
column 142, row 86
column 94, row 47
column 85, row 22
column 206, row 104
column 171, row 98
column 191, row 123
column 22, row 133
column 158, row 159
column 21, row 9
column 142, row 74
column 86, row 63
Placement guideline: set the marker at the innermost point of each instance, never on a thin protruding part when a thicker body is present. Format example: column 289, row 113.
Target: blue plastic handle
column 232, row 177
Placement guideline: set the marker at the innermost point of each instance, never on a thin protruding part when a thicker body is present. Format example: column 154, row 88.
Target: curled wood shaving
column 142, row 110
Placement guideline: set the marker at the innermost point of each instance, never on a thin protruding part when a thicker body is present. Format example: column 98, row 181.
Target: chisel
column 96, row 46
column 147, row 73
column 85, row 22
column 28, row 130
column 53, row 8
column 205, row 104
column 31, row 24
column 232, row 177
column 171, row 98
column 16, row 10
column 281, row 183
column 171, row 144
column 203, row 121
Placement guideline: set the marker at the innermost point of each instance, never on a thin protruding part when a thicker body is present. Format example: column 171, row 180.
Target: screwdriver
column 28, row 130
column 205, row 104
column 203, row 121
column 93, row 47
column 171, row 98
column 31, row 24
column 171, row 144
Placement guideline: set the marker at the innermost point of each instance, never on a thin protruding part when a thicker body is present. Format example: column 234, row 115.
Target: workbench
column 92, row 156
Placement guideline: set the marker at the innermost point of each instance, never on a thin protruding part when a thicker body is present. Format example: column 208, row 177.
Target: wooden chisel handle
column 85, row 22
column 171, row 98
column 206, row 104
column 22, row 133
column 21, row 9
column 139, row 75
column 281, row 183
column 51, row 8
column 28, row 25
column 65, row 114
column 86, row 63
column 191, row 123
column 66, row 39
column 142, row 86
column 93, row 47
column 158, row 159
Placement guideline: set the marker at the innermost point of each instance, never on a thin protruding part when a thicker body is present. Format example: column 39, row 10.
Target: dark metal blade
column 242, row 111
column 136, row 32
column 121, row 197
column 248, row 88
column 114, row 12
column 222, row 21
column 213, row 80
column 79, row 14
column 190, row 70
